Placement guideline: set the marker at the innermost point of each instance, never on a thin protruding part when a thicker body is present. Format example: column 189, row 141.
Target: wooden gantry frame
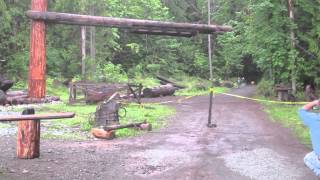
column 37, row 65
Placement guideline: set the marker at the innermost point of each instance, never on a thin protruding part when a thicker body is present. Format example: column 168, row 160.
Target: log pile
column 19, row 97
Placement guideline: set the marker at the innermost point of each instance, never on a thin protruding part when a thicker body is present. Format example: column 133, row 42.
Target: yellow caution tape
column 263, row 100
column 254, row 99
column 227, row 94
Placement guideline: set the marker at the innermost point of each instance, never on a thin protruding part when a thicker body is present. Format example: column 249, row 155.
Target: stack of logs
column 18, row 97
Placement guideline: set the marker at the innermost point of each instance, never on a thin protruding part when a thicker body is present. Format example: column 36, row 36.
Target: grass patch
column 154, row 114
column 287, row 115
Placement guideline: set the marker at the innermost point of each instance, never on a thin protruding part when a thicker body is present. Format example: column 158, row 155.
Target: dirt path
column 246, row 145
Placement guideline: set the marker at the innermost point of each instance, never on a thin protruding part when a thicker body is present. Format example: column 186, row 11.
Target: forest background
column 267, row 44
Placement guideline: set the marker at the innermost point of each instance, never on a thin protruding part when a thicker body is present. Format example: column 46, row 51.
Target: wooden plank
column 36, row 117
column 87, row 20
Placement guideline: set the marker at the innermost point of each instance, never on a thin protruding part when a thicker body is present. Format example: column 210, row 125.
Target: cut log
column 115, row 127
column 85, row 20
column 30, row 117
column 163, row 90
column 102, row 134
column 98, row 95
column 165, row 81
column 24, row 99
column 16, row 93
column 28, row 137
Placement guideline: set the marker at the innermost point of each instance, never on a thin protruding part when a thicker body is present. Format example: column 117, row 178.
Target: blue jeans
column 312, row 120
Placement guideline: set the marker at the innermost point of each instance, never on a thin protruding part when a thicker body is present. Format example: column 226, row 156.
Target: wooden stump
column 28, row 137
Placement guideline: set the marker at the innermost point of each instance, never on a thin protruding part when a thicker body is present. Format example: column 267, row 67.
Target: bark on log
column 16, row 93
column 28, row 138
column 3, row 98
column 28, row 141
column 24, row 99
column 28, row 117
column 98, row 95
column 163, row 90
column 86, row 20
column 115, row 127
column 165, row 81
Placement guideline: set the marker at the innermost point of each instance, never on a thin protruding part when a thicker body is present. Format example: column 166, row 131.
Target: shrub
column 266, row 88
column 112, row 73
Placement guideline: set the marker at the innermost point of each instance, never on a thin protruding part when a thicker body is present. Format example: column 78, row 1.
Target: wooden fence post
column 28, row 137
column 28, row 148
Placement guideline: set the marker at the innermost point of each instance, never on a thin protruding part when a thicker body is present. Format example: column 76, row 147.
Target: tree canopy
column 261, row 42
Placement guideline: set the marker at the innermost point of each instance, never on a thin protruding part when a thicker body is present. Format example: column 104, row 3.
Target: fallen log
column 115, row 127
column 16, row 93
column 165, row 81
column 163, row 90
column 24, row 99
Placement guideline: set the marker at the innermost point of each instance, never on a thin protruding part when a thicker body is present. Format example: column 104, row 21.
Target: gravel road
column 245, row 145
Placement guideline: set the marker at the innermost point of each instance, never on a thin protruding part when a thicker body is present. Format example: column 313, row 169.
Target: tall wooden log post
column 28, row 141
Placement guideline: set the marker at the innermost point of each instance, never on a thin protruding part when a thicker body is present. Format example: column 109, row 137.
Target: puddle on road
column 156, row 161
column 262, row 164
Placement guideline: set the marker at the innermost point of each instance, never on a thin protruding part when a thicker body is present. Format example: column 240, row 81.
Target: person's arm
column 310, row 105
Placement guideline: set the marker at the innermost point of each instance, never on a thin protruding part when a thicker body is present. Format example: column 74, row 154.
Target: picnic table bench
column 28, row 134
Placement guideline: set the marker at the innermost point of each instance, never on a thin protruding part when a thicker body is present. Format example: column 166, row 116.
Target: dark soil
column 244, row 145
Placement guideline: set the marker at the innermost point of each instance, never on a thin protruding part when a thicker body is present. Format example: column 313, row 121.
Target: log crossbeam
column 137, row 25
column 7, row 118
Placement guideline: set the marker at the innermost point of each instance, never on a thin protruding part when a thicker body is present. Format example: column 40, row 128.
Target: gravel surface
column 262, row 164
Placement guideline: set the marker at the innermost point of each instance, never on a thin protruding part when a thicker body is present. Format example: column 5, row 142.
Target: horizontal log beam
column 36, row 117
column 86, row 20
column 165, row 33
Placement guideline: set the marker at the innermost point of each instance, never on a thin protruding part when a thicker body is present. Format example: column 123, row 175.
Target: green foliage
column 112, row 73
column 261, row 33
column 266, row 88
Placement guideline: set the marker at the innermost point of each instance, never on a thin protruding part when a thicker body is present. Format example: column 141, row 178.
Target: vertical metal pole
column 210, row 125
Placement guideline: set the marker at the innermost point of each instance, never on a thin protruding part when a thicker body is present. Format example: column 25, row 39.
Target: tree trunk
column 28, row 138
column 293, row 46
column 29, row 131
column 163, row 90
column 93, row 42
column 83, row 51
